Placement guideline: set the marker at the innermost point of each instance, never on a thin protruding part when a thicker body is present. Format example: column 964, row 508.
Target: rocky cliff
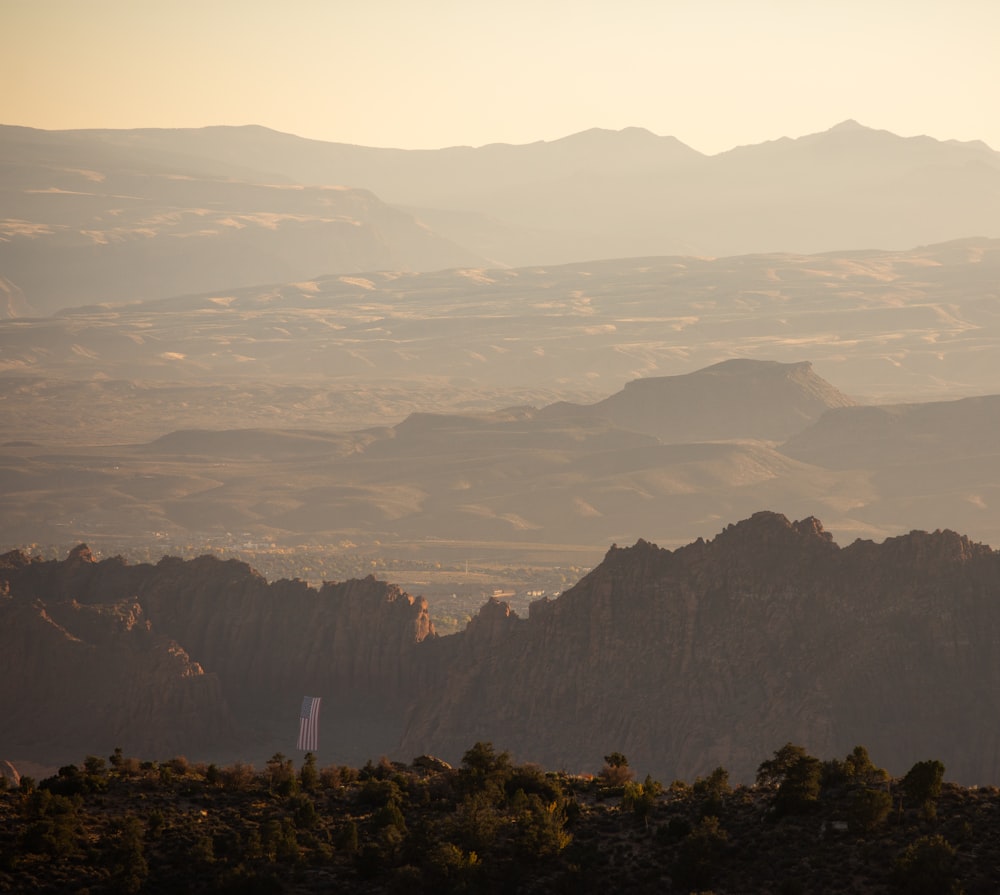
column 201, row 657
column 716, row 653
column 719, row 652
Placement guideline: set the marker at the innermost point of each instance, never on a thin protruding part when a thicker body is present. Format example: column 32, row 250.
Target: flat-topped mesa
column 739, row 398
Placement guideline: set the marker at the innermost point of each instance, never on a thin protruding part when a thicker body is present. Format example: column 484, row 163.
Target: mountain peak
column 847, row 126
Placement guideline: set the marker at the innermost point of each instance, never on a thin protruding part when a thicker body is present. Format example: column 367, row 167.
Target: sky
column 423, row 74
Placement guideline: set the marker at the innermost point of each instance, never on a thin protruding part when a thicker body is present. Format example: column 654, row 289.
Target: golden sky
column 432, row 73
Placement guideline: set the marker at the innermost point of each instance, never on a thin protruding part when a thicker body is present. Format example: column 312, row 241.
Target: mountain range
column 95, row 216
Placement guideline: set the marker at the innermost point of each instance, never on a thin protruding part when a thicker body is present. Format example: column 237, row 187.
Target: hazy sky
column 432, row 73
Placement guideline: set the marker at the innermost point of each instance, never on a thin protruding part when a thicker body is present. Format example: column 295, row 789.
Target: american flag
column 309, row 724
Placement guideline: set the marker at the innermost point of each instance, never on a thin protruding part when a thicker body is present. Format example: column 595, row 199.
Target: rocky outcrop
column 91, row 677
column 716, row 653
column 193, row 657
column 719, row 652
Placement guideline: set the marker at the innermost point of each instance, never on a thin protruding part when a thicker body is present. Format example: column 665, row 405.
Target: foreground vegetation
column 121, row 825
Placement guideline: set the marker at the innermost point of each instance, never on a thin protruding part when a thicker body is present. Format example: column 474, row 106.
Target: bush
column 869, row 808
column 927, row 867
column 699, row 854
column 615, row 772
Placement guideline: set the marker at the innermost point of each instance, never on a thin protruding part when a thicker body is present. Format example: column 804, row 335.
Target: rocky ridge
column 698, row 657
column 201, row 657
column 684, row 660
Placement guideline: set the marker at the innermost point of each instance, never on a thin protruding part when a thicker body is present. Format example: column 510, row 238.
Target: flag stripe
column 309, row 724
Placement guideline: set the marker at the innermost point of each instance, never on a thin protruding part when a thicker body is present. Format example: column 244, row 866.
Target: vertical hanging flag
column 309, row 724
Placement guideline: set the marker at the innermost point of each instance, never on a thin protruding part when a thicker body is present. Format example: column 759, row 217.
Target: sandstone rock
column 201, row 658
column 719, row 652
column 430, row 763
column 716, row 653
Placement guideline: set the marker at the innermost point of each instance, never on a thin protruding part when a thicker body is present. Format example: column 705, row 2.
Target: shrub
column 615, row 772
column 927, row 867
column 869, row 808
column 698, row 855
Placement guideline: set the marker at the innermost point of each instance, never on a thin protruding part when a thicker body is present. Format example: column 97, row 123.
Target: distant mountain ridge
column 88, row 221
column 593, row 195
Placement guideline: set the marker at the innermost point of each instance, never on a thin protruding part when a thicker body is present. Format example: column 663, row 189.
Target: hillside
column 87, row 221
column 492, row 826
column 664, row 458
column 347, row 351
column 551, row 476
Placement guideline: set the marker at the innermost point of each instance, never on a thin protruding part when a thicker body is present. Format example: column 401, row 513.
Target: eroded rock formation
column 720, row 652
column 716, row 653
column 199, row 657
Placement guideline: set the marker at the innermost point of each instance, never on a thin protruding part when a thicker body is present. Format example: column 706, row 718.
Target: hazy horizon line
column 438, row 148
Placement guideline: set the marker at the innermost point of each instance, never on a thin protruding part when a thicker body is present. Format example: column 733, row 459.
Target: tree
column 616, row 771
column 476, row 821
column 449, row 868
column 541, row 828
column 486, row 770
column 128, row 862
column 798, row 777
column 639, row 798
column 483, row 760
column 117, row 758
column 616, row 760
column 281, row 775
column 922, row 785
column 309, row 774
column 712, row 789
column 859, row 768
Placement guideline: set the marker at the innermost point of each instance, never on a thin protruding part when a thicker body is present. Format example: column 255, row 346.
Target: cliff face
column 713, row 654
column 720, row 652
column 97, row 676
column 187, row 657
